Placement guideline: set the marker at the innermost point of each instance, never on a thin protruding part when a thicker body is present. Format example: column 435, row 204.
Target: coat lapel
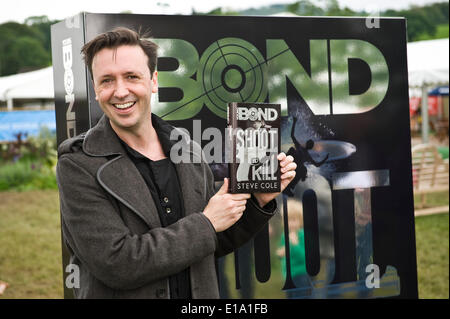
column 119, row 176
column 122, row 180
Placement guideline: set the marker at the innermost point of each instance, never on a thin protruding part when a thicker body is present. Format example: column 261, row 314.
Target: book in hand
column 254, row 142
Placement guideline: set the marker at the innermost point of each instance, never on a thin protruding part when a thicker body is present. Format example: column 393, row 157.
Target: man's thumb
column 224, row 188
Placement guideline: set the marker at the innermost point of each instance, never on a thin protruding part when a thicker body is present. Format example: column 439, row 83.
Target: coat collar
column 101, row 140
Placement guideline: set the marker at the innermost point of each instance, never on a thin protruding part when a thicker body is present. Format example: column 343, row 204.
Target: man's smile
column 124, row 106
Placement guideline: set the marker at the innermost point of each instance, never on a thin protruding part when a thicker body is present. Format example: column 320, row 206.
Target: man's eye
column 105, row 81
column 132, row 77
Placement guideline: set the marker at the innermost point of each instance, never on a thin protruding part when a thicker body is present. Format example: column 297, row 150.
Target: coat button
column 168, row 210
column 166, row 200
column 161, row 293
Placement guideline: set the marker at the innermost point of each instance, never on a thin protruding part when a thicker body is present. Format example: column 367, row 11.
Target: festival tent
column 427, row 68
column 29, row 85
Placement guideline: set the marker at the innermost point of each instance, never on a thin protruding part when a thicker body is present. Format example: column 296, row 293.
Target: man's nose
column 121, row 90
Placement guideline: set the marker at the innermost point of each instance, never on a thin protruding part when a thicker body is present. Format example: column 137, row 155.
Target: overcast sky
column 18, row 10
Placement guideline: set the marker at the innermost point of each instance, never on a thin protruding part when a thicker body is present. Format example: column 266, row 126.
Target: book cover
column 254, row 141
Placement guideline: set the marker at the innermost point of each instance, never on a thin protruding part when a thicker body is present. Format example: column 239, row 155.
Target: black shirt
column 162, row 181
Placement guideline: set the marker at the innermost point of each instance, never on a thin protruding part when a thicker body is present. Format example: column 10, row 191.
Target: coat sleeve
column 252, row 221
column 95, row 232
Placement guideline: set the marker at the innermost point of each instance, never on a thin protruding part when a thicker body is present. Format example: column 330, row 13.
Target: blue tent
column 26, row 122
column 440, row 90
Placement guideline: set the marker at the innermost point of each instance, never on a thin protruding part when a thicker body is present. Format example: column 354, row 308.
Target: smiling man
column 138, row 225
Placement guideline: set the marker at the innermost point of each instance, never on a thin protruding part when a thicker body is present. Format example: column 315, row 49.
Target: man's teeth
column 124, row 106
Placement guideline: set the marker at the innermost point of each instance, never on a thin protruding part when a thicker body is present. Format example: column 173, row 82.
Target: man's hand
column 225, row 209
column 287, row 167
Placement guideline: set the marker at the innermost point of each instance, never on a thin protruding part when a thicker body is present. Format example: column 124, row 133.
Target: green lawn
column 30, row 244
column 30, row 247
column 432, row 255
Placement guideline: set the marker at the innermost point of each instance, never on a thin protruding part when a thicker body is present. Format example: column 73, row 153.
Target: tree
column 29, row 54
column 416, row 20
column 21, row 49
column 216, row 11
column 42, row 25
column 423, row 22
column 25, row 47
column 305, row 8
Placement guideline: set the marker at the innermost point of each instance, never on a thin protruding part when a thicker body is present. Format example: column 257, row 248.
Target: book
column 254, row 141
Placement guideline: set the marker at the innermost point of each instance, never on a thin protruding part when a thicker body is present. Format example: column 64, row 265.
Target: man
column 136, row 224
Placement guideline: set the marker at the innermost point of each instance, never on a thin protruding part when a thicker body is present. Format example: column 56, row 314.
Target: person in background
column 296, row 247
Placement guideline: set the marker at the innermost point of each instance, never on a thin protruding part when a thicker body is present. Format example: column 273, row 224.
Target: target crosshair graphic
column 233, row 70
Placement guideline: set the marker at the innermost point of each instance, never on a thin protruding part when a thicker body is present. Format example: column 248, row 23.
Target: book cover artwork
column 254, row 136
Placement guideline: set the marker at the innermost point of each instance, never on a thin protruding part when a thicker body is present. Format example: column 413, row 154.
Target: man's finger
column 240, row 196
column 287, row 175
column 238, row 211
column 289, row 167
column 281, row 156
column 241, row 203
column 288, row 159
column 224, row 189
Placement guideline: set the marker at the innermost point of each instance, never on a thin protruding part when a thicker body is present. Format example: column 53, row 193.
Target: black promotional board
column 343, row 89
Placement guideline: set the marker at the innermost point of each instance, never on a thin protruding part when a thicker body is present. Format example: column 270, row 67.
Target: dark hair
column 118, row 37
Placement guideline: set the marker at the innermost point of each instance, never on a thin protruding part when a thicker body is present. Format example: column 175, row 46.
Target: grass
column 433, row 199
column 432, row 238
column 30, row 247
column 30, row 244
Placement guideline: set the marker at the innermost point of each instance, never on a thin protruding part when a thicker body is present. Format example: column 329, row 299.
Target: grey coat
column 111, row 225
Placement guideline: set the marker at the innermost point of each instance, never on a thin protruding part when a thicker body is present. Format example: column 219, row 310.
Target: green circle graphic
column 232, row 70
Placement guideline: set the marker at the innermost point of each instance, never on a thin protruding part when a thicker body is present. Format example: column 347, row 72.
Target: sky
column 19, row 10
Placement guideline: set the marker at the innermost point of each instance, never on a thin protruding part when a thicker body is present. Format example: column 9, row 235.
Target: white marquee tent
column 427, row 68
column 30, row 85
column 428, row 63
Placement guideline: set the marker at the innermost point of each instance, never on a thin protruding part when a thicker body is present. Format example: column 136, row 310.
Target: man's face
column 123, row 86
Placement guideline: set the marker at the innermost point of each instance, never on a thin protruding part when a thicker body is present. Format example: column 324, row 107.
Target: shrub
column 26, row 175
column 41, row 148
column 29, row 164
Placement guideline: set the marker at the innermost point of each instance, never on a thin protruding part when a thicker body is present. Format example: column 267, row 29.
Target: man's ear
column 93, row 84
column 155, row 82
